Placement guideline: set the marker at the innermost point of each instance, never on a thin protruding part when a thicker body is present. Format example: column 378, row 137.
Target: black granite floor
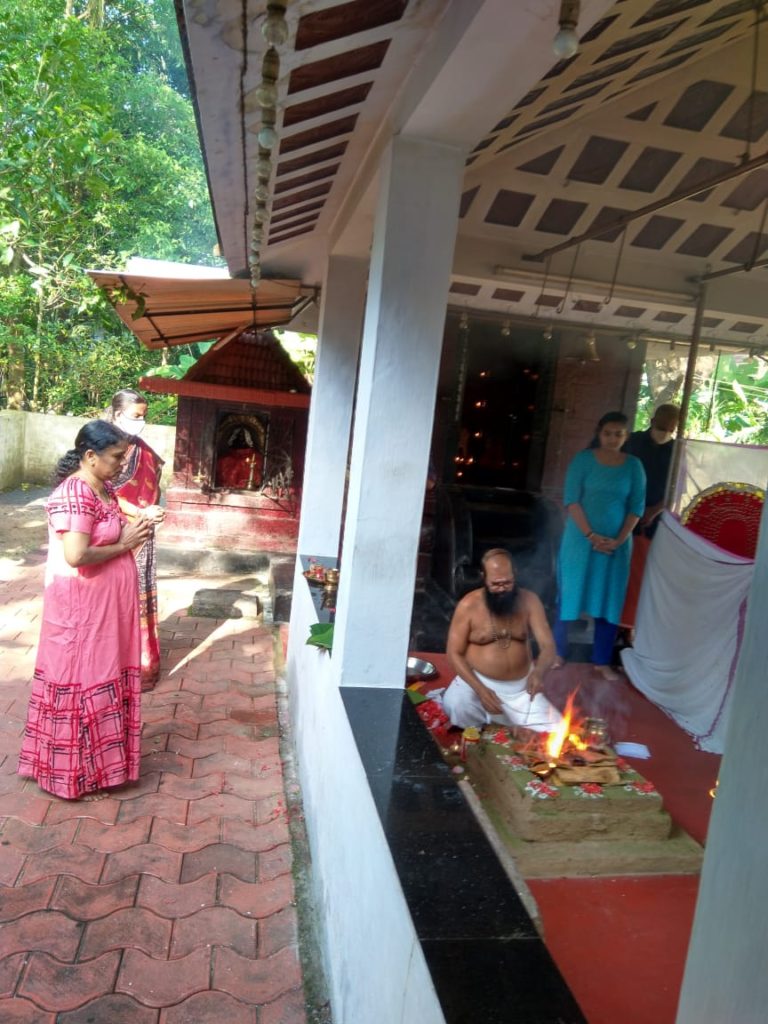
column 488, row 963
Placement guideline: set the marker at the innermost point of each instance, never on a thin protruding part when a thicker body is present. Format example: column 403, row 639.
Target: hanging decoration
column 275, row 30
column 566, row 42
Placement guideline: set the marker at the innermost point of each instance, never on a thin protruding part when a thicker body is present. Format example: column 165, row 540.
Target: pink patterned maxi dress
column 84, row 716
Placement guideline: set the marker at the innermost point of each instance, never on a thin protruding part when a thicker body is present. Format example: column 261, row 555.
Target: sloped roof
column 657, row 101
column 165, row 311
column 248, row 366
column 251, row 359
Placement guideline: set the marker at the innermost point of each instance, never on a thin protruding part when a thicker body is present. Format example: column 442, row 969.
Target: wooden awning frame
column 163, row 312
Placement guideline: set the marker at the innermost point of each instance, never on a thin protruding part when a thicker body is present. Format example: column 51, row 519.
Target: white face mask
column 132, row 427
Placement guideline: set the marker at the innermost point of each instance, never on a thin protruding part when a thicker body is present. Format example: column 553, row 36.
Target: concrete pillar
column 414, row 237
column 330, row 414
column 726, row 980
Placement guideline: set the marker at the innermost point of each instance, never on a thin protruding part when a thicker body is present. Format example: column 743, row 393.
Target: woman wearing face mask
column 138, row 493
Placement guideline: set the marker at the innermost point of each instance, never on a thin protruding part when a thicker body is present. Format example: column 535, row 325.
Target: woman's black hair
column 96, row 436
column 609, row 417
column 121, row 400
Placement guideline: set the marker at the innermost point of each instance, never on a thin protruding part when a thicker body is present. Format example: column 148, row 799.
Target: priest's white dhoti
column 463, row 707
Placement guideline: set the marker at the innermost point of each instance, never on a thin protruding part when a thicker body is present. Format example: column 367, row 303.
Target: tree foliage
column 729, row 401
column 99, row 161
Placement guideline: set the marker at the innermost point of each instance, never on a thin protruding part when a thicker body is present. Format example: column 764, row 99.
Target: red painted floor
column 621, row 942
column 171, row 902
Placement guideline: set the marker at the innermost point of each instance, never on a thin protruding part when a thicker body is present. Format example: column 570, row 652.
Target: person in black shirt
column 654, row 448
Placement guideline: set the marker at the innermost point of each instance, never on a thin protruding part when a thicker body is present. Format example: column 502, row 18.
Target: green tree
column 99, row 160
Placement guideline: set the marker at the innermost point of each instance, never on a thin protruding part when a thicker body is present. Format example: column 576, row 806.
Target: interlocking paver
column 134, row 928
column 227, row 727
column 157, row 804
column 177, row 900
column 222, row 761
column 209, row 1008
column 110, row 838
column 112, row 1009
column 79, row 861
column 10, row 971
column 163, row 982
column 22, row 1011
column 171, row 901
column 256, row 981
column 193, row 789
column 255, row 837
column 287, row 1009
column 57, row 986
column 87, row 902
column 253, row 788
column 105, row 811
column 170, row 726
column 215, row 926
column 221, row 858
column 193, row 748
column 167, row 761
column 11, row 863
column 278, row 930
column 256, row 899
column 25, row 899
column 222, row 805
column 43, row 932
column 186, row 838
column 36, row 838
column 146, row 859
column 275, row 862
column 31, row 809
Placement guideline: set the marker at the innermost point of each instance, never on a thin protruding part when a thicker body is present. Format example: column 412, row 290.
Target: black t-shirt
column 656, row 460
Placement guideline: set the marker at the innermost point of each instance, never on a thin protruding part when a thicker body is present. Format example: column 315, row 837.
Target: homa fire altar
column 566, row 804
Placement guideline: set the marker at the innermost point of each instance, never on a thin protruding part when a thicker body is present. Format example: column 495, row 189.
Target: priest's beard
column 502, row 603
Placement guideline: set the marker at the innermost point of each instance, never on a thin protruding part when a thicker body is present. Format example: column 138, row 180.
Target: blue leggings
column 602, row 646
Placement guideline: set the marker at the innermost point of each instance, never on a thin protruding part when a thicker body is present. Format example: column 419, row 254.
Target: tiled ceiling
column 657, row 101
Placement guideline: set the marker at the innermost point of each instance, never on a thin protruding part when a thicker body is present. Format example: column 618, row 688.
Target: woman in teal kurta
column 604, row 499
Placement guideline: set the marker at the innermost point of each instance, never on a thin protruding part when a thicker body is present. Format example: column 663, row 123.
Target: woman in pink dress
column 84, row 716
column 138, row 492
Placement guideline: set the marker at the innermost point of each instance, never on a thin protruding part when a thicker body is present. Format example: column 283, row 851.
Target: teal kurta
column 591, row 582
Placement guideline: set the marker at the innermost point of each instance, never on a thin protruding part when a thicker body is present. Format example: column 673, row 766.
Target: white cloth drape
column 690, row 621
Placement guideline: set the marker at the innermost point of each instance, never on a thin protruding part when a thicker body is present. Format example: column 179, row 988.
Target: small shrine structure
column 240, row 438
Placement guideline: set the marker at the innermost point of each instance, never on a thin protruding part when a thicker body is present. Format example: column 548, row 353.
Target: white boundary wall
column 31, row 444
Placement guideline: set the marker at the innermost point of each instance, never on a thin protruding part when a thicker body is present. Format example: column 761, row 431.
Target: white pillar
column 330, row 414
column 414, row 236
column 726, row 978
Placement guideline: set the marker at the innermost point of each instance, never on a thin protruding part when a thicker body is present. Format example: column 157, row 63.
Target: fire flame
column 556, row 739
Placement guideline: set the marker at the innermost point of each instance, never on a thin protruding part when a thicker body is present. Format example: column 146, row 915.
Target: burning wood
column 574, row 753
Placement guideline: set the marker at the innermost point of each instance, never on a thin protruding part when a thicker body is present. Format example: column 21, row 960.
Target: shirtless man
column 488, row 644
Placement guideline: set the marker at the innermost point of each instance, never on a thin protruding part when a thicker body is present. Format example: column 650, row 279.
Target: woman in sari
column 138, row 491
column 84, row 718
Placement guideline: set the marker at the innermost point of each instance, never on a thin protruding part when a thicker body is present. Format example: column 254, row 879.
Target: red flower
column 502, row 736
column 593, row 788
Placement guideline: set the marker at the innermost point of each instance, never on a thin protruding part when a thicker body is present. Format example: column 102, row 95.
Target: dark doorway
column 503, row 378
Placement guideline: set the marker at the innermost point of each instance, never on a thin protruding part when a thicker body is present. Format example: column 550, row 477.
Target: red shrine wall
column 201, row 514
column 583, row 392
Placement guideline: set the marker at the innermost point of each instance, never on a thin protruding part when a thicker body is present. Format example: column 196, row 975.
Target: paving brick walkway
column 171, row 902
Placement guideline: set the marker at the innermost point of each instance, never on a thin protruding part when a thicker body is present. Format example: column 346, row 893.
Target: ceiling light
column 566, row 42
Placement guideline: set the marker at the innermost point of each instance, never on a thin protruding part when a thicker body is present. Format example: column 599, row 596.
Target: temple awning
column 167, row 311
